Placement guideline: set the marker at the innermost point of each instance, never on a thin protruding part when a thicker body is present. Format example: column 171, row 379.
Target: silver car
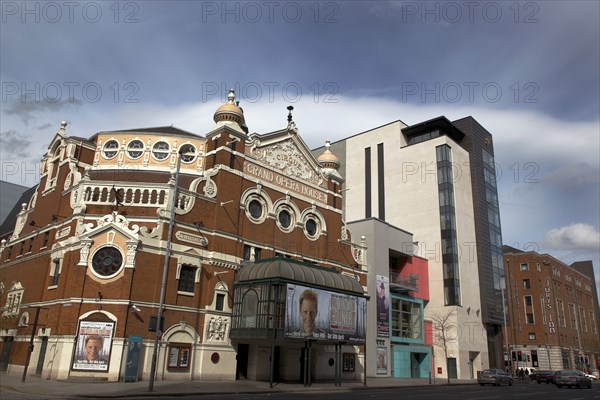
column 494, row 377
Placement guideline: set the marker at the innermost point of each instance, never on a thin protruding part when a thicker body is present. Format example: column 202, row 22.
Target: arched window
column 249, row 309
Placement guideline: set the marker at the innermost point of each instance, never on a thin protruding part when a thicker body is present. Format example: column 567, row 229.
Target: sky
column 528, row 71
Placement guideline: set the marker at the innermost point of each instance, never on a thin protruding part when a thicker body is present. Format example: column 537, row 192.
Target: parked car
column 591, row 376
column 544, row 376
column 494, row 377
column 569, row 377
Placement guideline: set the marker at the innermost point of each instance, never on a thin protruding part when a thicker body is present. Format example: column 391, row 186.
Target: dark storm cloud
column 14, row 143
column 28, row 110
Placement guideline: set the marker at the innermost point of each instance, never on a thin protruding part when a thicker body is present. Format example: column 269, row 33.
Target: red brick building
column 86, row 253
column 552, row 312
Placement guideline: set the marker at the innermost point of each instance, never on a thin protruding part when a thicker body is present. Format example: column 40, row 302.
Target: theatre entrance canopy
column 280, row 298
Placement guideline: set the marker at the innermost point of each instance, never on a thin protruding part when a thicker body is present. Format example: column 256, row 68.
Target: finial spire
column 289, row 117
column 231, row 96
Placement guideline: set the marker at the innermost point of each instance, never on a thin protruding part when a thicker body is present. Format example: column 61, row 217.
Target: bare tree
column 444, row 332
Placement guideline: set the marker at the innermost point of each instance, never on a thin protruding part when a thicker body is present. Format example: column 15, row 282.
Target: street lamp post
column 164, row 278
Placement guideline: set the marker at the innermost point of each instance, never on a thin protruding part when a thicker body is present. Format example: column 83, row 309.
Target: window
column 311, row 227
column 406, row 319
column 249, row 309
column 220, row 301
column 538, row 267
column 188, row 153
column 160, row 150
column 107, row 262
column 9, row 252
column 179, row 356
column 187, row 278
column 30, row 245
column 530, row 319
column 55, row 272
column 560, row 312
column 251, row 253
column 285, row 220
column 528, row 301
column 135, row 149
column 110, row 149
column 46, row 238
column 593, row 327
column 531, row 335
column 526, row 284
column 256, row 208
column 524, row 267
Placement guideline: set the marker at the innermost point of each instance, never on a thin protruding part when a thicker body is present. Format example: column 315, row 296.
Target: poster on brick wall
column 94, row 341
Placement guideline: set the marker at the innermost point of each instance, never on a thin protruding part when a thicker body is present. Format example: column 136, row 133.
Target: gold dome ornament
column 328, row 159
column 230, row 111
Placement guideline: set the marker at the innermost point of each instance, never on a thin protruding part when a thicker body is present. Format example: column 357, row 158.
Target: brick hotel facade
column 553, row 315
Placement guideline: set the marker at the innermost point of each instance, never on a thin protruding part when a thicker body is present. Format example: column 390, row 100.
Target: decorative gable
column 287, row 157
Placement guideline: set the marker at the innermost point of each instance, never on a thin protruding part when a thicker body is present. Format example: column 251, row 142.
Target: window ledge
column 191, row 294
column 52, row 287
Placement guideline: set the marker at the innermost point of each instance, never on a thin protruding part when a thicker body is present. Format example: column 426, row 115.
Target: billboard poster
column 94, row 341
column 383, row 306
column 381, row 368
column 323, row 315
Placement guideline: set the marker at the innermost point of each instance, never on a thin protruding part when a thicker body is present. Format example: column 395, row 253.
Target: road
column 519, row 391
column 461, row 392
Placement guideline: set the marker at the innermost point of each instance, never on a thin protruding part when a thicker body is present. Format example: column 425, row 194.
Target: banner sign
column 323, row 315
column 94, row 340
column 383, row 306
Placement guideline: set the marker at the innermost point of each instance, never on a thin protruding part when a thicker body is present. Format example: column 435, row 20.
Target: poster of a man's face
column 323, row 315
column 93, row 346
column 309, row 307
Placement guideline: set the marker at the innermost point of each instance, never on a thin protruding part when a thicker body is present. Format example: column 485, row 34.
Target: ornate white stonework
column 22, row 217
column 286, row 157
column 112, row 219
column 216, row 329
column 191, row 238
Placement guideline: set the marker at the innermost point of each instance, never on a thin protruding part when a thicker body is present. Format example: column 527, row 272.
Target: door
column 6, row 350
column 241, row 371
column 40, row 363
column 452, row 374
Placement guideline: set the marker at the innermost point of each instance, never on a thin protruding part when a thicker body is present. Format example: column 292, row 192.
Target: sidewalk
column 71, row 389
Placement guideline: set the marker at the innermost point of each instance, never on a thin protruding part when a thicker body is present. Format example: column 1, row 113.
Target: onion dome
column 230, row 111
column 328, row 159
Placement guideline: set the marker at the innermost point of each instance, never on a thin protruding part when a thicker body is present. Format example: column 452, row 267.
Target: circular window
column 107, row 261
column 160, row 150
column 188, row 153
column 215, row 358
column 110, row 149
column 255, row 209
column 285, row 219
column 135, row 149
column 311, row 226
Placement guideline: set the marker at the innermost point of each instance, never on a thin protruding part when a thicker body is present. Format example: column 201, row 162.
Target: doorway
column 40, row 363
column 452, row 372
column 241, row 371
column 6, row 350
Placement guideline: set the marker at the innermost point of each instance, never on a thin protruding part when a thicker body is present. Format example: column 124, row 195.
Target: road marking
column 528, row 394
